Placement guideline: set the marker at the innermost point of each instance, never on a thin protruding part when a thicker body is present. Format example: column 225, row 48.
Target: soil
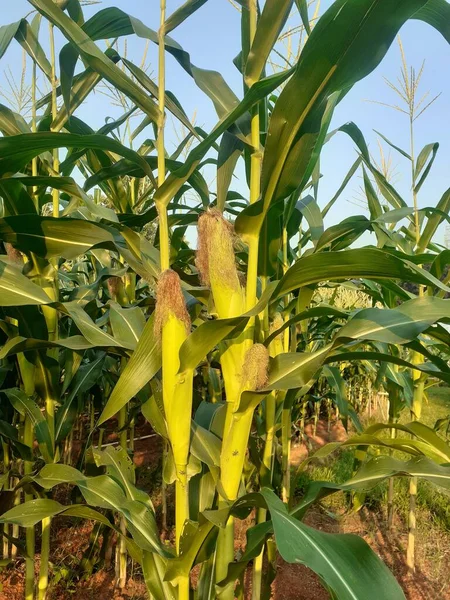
column 292, row 582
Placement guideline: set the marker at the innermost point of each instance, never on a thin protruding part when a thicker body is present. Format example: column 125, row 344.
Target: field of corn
column 198, row 384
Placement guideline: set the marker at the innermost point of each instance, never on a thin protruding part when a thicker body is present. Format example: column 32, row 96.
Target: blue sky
column 212, row 37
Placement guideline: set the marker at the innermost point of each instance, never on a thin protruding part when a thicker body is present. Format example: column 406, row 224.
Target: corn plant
column 92, row 307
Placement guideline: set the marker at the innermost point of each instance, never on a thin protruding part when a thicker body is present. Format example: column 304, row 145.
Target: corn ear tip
column 13, row 254
column 256, row 366
column 170, row 300
column 215, row 248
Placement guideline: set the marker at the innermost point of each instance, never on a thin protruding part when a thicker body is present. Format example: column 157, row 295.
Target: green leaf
column 372, row 473
column 433, row 222
column 7, row 33
column 375, row 208
column 182, row 13
column 344, row 562
column 94, row 57
column 127, row 324
column 343, row 234
column 402, row 152
column 270, row 24
column 311, row 313
column 30, row 513
column 76, row 93
column 424, row 156
column 207, row 335
column 181, row 566
column 17, row 150
column 154, row 413
column 366, row 439
column 100, row 491
column 346, row 44
column 386, row 466
column 311, row 211
column 427, row 368
column 15, row 197
column 396, row 215
column 424, row 433
column 396, row 326
column 337, row 384
column 386, row 189
column 258, row 91
column 143, row 365
column 26, row 406
column 50, row 237
column 21, row 344
column 367, row 263
column 17, row 290
column 153, row 570
column 113, row 23
column 65, row 184
column 205, row 445
column 437, row 14
column 229, row 152
column 90, row 330
column 85, row 377
column 10, row 433
column 302, row 6
column 151, row 86
column 342, row 187
column 26, row 37
column 11, row 123
column 120, row 466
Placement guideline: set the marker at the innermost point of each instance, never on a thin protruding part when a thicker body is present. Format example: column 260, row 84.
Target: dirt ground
column 293, row 582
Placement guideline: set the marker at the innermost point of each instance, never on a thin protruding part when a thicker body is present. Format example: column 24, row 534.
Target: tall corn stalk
column 414, row 107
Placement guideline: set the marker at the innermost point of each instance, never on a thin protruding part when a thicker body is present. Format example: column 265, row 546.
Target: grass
column 433, row 503
column 438, row 405
column 433, row 507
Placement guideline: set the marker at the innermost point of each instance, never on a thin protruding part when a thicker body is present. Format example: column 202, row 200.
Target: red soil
column 292, row 582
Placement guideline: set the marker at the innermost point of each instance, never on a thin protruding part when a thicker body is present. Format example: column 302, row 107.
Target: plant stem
column 270, row 404
column 255, row 178
column 286, row 450
column 6, row 467
column 162, row 208
column 122, row 554
column 316, row 417
column 181, row 515
column 55, row 192
column 225, row 553
column 34, row 128
column 29, row 532
column 27, row 370
column 417, row 377
column 390, row 514
column 45, row 558
column 164, row 491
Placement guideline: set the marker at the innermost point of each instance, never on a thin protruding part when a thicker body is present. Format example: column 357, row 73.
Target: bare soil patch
column 293, row 582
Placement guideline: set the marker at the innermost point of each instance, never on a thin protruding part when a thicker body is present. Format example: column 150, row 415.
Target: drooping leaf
column 94, row 57
column 346, row 44
column 26, row 406
column 344, row 562
column 182, row 13
column 85, row 377
column 271, row 22
column 16, row 151
column 143, row 365
column 17, row 290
